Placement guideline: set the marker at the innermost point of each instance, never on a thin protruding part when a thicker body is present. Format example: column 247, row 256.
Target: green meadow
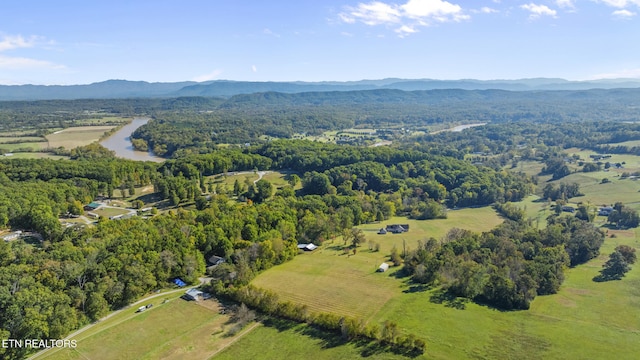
column 329, row 280
column 175, row 329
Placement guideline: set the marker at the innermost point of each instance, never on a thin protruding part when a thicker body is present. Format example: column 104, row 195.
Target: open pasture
column 328, row 280
column 177, row 329
column 70, row 138
column 285, row 340
column 585, row 320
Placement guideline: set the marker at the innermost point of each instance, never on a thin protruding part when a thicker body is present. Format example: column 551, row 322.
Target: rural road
column 39, row 354
column 260, row 174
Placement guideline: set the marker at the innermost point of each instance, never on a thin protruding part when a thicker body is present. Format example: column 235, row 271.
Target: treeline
column 508, row 266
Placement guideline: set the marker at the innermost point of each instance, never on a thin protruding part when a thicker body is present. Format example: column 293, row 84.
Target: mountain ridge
column 115, row 88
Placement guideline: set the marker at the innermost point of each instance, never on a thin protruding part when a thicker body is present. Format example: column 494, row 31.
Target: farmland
column 82, row 133
column 331, row 281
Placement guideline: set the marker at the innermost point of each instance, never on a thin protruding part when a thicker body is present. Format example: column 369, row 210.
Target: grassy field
column 107, row 212
column 331, row 281
column 618, row 189
column 34, row 146
column 585, row 320
column 22, row 139
column 34, row 155
column 72, row 137
column 277, row 178
column 176, row 329
column 283, row 340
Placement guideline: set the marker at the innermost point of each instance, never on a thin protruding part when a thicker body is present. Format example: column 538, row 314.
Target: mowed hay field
column 177, row 329
column 327, row 280
column 72, row 137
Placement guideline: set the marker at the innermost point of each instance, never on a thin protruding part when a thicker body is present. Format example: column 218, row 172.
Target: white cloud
column 405, row 30
column 420, row 9
column 254, row 68
column 620, row 3
column 210, row 76
column 405, row 18
column 374, row 13
column 10, row 42
column 15, row 63
column 566, row 3
column 536, row 10
column 624, row 14
column 487, row 10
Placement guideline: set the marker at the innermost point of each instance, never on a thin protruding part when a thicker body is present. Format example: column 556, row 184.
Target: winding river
column 120, row 142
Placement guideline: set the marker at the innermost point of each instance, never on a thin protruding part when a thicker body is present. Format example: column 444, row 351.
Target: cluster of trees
column 618, row 265
column 562, row 191
column 623, row 216
column 508, row 266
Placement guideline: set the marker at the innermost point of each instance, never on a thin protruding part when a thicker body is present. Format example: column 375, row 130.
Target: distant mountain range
column 224, row 88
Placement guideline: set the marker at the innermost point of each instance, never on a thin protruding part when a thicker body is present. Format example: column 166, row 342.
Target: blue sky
column 80, row 42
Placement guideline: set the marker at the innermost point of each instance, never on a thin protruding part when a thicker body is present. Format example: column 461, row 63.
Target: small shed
column 179, row 282
column 382, row 231
column 383, row 267
column 307, row 247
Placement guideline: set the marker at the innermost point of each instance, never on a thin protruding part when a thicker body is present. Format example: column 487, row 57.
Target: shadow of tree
column 416, row 288
column 442, row 296
column 604, row 278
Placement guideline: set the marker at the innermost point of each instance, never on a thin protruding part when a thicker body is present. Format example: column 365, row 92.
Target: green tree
column 615, row 268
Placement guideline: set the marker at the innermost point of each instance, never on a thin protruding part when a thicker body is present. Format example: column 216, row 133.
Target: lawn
column 176, row 329
column 108, row 212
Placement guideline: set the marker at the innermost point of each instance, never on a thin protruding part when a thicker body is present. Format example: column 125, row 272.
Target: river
column 120, row 142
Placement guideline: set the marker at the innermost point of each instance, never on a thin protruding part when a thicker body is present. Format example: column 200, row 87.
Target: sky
column 68, row 42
